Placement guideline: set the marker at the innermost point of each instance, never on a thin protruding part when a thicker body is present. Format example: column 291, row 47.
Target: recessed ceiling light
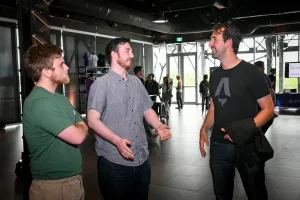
column 160, row 21
column 218, row 5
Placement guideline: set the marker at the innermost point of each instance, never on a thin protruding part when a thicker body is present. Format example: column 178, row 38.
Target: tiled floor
column 178, row 170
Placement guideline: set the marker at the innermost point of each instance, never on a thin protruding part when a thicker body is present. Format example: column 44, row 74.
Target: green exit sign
column 179, row 39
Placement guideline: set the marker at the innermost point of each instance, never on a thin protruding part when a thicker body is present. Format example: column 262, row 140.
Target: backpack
column 203, row 88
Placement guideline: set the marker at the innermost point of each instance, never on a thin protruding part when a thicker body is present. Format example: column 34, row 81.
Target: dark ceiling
column 190, row 19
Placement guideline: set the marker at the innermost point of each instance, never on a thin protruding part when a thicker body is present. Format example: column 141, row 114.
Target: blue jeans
column 118, row 182
column 223, row 160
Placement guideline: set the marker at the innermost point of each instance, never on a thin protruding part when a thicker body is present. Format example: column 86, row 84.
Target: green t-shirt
column 45, row 116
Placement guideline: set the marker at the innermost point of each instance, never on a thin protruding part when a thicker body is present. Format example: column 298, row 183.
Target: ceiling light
column 220, row 4
column 160, row 21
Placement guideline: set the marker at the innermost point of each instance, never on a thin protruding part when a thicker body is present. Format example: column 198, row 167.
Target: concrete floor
column 178, row 170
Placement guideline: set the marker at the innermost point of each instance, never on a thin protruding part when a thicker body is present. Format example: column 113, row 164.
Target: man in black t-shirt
column 139, row 73
column 235, row 90
column 272, row 78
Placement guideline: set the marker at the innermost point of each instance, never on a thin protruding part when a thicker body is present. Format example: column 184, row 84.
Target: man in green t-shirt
column 52, row 128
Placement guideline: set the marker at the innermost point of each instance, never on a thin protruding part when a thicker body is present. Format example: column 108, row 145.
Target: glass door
column 183, row 64
column 174, row 68
column 189, row 78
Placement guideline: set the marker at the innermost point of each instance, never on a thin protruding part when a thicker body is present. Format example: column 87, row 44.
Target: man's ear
column 114, row 55
column 228, row 42
column 46, row 72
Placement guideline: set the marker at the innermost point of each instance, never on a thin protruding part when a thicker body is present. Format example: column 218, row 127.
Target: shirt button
column 132, row 110
column 129, row 97
column 134, row 123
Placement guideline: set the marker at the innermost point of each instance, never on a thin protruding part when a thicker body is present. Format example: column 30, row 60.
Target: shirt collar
column 118, row 77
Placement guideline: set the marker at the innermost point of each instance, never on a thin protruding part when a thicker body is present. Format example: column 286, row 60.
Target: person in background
column 272, row 78
column 235, row 90
column 139, row 73
column 204, row 92
column 152, row 87
column 170, row 86
column 117, row 104
column 261, row 66
column 88, row 82
column 52, row 128
column 179, row 93
column 165, row 96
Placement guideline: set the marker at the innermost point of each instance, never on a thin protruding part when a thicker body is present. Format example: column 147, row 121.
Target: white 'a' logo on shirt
column 224, row 83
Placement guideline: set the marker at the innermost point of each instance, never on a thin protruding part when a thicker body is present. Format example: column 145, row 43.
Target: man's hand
column 123, row 147
column 164, row 132
column 203, row 139
column 226, row 136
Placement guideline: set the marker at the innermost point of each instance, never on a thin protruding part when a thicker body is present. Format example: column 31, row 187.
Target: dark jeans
column 223, row 160
column 205, row 102
column 179, row 99
column 118, row 182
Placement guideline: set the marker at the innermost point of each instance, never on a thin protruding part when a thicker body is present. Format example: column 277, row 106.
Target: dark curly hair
column 229, row 31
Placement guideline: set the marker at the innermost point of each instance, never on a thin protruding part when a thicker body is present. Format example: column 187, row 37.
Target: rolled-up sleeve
column 97, row 96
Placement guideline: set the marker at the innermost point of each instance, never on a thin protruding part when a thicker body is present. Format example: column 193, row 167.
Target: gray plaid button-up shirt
column 122, row 104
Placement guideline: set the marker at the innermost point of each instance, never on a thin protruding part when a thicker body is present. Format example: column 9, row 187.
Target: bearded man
column 52, row 128
column 117, row 104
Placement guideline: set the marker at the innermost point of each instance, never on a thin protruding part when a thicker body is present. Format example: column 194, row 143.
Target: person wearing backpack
column 204, row 91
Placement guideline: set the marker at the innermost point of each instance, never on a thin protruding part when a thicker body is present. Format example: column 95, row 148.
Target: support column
column 203, row 61
column 254, row 50
column 280, row 64
column 269, row 45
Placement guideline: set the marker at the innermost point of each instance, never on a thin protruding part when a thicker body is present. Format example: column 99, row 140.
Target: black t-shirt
column 272, row 78
column 152, row 87
column 269, row 86
column 268, row 80
column 235, row 92
column 142, row 80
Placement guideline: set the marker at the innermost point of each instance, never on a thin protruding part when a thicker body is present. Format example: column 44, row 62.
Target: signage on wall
column 179, row 39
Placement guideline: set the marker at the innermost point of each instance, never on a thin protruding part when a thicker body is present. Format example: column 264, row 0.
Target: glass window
column 291, row 40
column 189, row 78
column 172, row 48
column 260, row 44
column 207, row 48
column 159, row 61
column 248, row 57
column 246, row 44
column 189, row 47
column 209, row 60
